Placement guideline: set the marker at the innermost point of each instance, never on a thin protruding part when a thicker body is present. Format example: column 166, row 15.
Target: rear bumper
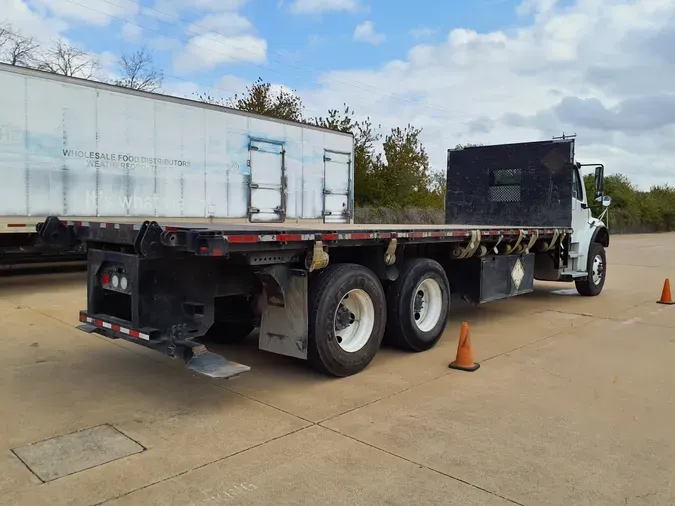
column 196, row 356
column 120, row 328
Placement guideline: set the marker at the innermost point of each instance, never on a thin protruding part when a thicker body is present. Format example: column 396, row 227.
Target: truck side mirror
column 599, row 179
column 606, row 201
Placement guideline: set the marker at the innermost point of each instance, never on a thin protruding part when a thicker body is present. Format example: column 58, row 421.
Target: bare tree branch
column 21, row 51
column 138, row 71
column 5, row 34
column 62, row 58
column 16, row 49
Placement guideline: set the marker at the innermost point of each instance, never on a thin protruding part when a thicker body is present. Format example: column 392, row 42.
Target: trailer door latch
column 390, row 254
column 318, row 259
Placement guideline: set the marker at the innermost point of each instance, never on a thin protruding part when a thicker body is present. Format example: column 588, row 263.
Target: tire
column 417, row 328
column 228, row 333
column 339, row 344
column 593, row 284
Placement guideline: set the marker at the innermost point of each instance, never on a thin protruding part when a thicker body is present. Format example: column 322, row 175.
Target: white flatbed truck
column 330, row 293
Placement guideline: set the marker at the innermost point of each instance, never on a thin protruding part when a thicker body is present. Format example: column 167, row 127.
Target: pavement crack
column 447, row 475
column 215, row 461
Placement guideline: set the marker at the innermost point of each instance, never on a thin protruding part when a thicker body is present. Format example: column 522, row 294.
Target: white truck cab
column 586, row 259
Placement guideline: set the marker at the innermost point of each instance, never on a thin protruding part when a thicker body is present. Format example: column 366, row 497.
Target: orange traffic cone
column 464, row 360
column 666, row 298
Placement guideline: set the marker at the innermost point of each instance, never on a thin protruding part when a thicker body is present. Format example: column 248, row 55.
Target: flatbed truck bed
column 165, row 286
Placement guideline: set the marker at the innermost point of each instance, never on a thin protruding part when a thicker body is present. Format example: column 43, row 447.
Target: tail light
column 114, row 278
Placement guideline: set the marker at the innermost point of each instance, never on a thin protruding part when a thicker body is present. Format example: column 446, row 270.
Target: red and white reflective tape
column 115, row 328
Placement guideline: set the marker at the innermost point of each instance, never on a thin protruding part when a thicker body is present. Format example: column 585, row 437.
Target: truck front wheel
column 597, row 271
column 418, row 303
column 347, row 317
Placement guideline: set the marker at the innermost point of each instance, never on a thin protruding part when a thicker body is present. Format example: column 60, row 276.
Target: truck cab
column 586, row 259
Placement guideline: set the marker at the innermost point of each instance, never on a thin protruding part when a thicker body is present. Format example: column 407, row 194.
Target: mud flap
column 199, row 359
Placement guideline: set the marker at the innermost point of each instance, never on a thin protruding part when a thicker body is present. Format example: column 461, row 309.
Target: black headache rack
column 518, row 183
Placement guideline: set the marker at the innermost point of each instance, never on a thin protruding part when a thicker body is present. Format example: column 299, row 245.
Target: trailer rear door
column 337, row 168
column 266, row 186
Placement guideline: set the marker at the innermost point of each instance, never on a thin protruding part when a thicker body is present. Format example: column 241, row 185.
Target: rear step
column 199, row 359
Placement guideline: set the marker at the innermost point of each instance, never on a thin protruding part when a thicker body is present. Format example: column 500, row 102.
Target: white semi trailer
column 83, row 150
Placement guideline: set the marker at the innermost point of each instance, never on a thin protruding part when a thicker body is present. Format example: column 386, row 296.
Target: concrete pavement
column 573, row 404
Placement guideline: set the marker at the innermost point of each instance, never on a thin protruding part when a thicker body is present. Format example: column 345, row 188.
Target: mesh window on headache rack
column 505, row 185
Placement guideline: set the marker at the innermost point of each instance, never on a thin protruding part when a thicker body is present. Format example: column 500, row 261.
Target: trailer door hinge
column 390, row 254
column 318, row 259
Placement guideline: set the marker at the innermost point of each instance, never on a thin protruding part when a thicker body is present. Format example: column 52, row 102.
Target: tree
column 65, row 59
column 138, row 72
column 5, row 34
column 364, row 148
column 437, row 188
column 402, row 177
column 468, row 145
column 15, row 49
column 262, row 99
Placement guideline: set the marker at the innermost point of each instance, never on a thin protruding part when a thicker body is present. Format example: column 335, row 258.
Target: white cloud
column 30, row 22
column 221, row 38
column 319, row 6
column 422, row 32
column 229, row 23
column 131, row 32
column 602, row 69
column 365, row 32
column 94, row 12
column 210, row 50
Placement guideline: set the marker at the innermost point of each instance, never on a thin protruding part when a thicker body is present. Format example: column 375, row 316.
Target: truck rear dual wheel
column 597, row 271
column 417, row 304
column 347, row 318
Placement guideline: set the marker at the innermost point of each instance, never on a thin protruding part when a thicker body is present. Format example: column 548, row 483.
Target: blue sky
column 487, row 71
column 300, row 46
